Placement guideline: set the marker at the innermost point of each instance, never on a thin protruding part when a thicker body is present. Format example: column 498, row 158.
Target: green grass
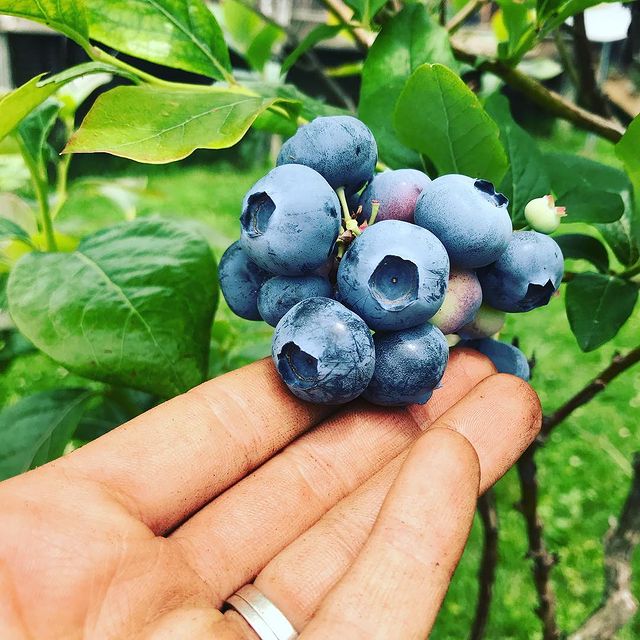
column 584, row 470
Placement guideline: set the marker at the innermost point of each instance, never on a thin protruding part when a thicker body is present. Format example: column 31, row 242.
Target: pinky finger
column 397, row 584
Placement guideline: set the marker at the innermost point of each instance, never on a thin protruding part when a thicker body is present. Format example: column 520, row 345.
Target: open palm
column 351, row 521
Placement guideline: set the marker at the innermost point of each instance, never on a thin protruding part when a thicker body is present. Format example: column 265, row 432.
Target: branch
column 589, row 93
column 619, row 364
column 551, row 101
column 487, row 572
column 364, row 39
column 543, row 561
column 618, row 605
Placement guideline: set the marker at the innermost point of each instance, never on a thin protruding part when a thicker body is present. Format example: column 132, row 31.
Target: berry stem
column 375, row 206
column 349, row 223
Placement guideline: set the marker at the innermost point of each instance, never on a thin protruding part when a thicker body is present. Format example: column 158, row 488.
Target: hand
column 144, row 532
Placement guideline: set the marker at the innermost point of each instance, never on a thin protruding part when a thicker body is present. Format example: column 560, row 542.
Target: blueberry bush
column 117, row 306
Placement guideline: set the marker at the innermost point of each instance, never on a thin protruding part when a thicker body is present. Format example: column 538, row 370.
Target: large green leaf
column 438, row 115
column 37, row 428
column 177, row 33
column 628, row 150
column 526, row 176
column 597, row 307
column 132, row 305
column 578, row 246
column 590, row 191
column 410, row 39
column 66, row 16
column 15, row 106
column 157, row 126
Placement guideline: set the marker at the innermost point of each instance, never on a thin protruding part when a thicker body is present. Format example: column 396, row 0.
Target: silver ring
column 261, row 614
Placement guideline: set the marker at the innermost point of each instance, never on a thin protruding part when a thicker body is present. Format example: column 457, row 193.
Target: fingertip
column 452, row 451
column 473, row 362
column 525, row 394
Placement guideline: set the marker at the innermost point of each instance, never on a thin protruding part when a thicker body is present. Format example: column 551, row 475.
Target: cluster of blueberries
column 330, row 252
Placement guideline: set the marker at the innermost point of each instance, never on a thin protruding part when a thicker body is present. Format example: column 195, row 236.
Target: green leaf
column 110, row 411
column 365, row 10
column 597, row 307
column 132, row 305
column 153, row 125
column 410, row 39
column 34, row 130
column 438, row 115
column 526, row 176
column 66, row 16
column 260, row 50
column 517, row 22
column 627, row 150
column 320, row 33
column 623, row 236
column 578, row 246
column 37, row 428
column 249, row 34
column 13, row 345
column 590, row 191
column 182, row 34
column 21, row 101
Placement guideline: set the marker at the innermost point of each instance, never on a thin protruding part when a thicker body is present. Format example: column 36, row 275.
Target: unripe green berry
column 543, row 215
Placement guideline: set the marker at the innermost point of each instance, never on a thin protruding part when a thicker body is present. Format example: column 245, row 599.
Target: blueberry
column 240, row 280
column 505, row 357
column 323, row 352
column 525, row 276
column 487, row 322
column 394, row 275
column 279, row 294
column 468, row 216
column 461, row 303
column 396, row 191
column 290, row 221
column 341, row 148
column 409, row 365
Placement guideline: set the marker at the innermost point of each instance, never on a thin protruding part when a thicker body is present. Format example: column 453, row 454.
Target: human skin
column 144, row 532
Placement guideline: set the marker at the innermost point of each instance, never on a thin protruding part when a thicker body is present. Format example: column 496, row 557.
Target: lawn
column 584, row 469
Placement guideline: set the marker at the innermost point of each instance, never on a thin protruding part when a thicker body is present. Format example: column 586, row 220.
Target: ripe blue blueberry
column 277, row 295
column 396, row 191
column 468, row 216
column 341, row 148
column 525, row 276
column 487, row 322
column 409, row 365
column 290, row 221
column 240, row 280
column 461, row 303
column 394, row 275
column 505, row 357
column 323, row 352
